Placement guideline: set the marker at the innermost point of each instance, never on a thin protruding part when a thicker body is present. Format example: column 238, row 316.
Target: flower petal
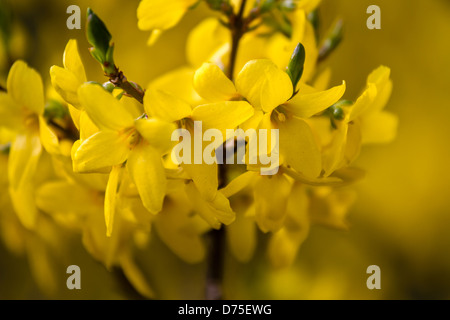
column 216, row 211
column 205, row 40
column 111, row 197
column 104, row 110
column 223, row 115
column 299, row 147
column 102, row 150
column 72, row 60
column 161, row 14
column 23, row 160
column 49, row 139
column 157, row 133
column 271, row 195
column 66, row 84
column 307, row 105
column 147, row 173
column 176, row 227
column 165, row 106
column 264, row 85
column 24, row 84
column 10, row 116
column 212, row 84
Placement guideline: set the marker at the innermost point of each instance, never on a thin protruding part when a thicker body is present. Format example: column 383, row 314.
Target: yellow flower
column 160, row 15
column 140, row 143
column 180, row 230
column 269, row 90
column 364, row 121
column 67, row 80
column 220, row 115
column 21, row 110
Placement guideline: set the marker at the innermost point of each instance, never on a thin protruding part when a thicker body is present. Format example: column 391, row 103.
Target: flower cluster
column 96, row 158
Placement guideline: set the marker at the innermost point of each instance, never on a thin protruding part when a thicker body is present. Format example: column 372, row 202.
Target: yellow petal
column 239, row 183
column 72, row 60
column 72, row 198
column 307, row 105
column 176, row 228
column 264, row 85
column 379, row 76
column 102, row 150
column 254, row 121
column 75, row 115
column 66, row 84
column 161, row 14
column 24, row 84
column 136, row 277
column 354, row 141
column 104, row 110
column 111, row 197
column 23, row 160
column 299, row 147
column 147, row 173
column 212, row 84
column 49, row 139
column 284, row 244
column 157, row 133
column 363, row 103
column 204, row 40
column 10, row 116
column 214, row 212
column 165, row 106
column 242, row 237
column 223, row 115
column 271, row 194
column 205, row 178
column 177, row 83
column 87, row 127
column 333, row 154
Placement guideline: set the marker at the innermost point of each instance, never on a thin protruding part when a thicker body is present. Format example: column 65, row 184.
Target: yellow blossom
column 123, row 138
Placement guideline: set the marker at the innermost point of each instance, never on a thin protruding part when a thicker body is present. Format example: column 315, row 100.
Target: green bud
column 338, row 113
column 100, row 38
column 109, row 86
column 296, row 65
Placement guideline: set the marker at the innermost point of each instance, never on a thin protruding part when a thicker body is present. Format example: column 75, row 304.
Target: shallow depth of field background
column 401, row 220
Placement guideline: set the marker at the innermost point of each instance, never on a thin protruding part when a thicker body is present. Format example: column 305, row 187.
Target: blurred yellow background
column 401, row 219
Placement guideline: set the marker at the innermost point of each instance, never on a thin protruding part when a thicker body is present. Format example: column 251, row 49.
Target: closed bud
column 296, row 65
column 100, row 38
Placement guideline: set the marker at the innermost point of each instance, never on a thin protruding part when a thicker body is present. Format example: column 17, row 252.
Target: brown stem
column 214, row 280
column 119, row 80
column 238, row 29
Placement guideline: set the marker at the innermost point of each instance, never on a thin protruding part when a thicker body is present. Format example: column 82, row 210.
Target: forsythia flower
column 21, row 111
column 123, row 138
column 270, row 91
